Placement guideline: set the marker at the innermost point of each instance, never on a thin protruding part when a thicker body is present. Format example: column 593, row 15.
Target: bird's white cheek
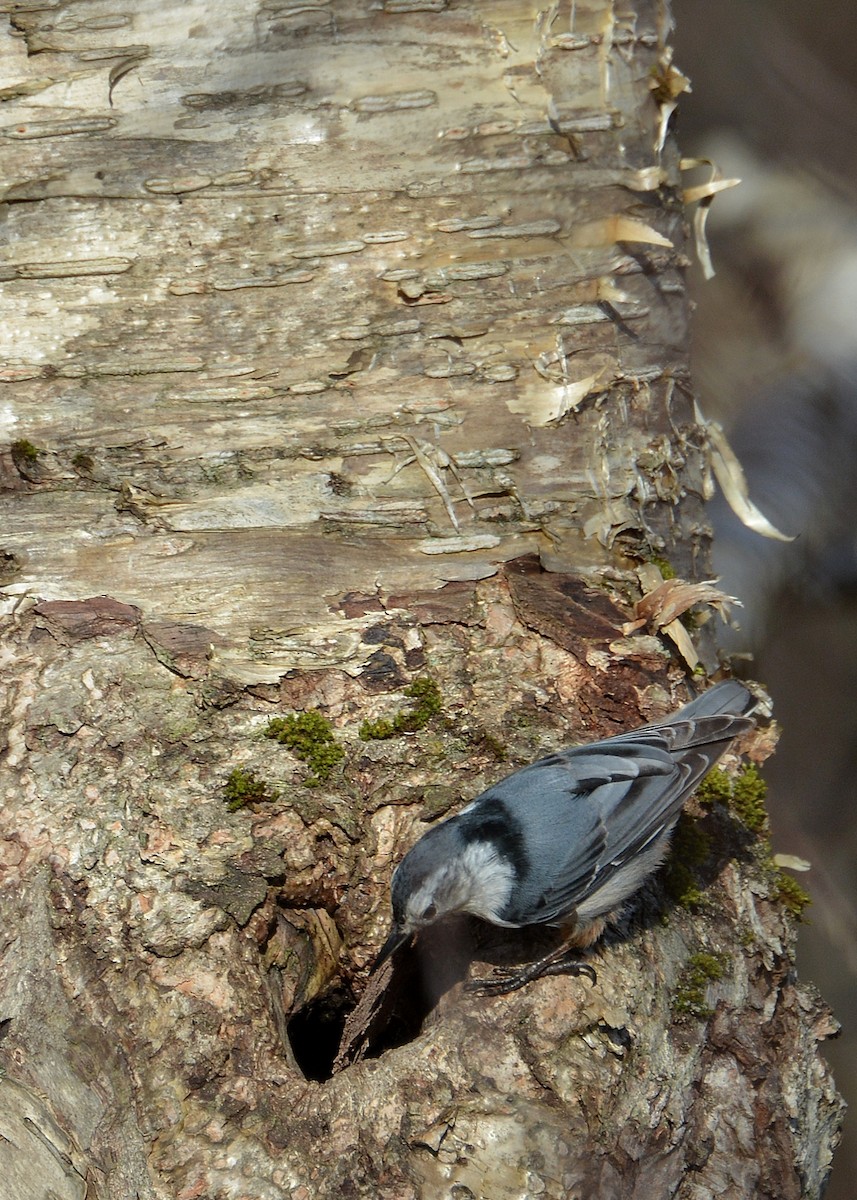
column 489, row 880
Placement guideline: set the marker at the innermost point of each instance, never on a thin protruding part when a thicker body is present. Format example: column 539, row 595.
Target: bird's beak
column 397, row 938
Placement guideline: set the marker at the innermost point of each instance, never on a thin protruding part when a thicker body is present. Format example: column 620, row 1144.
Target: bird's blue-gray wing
column 585, row 813
column 580, row 811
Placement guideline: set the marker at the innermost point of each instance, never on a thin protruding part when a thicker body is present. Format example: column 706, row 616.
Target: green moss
column 427, row 704
column 666, row 568
column 245, row 787
column 308, row 735
column 24, row 451
column 689, row 997
column 716, row 788
column 690, row 849
column 743, row 793
column 377, row 730
column 791, row 895
column 748, row 799
column 83, row 462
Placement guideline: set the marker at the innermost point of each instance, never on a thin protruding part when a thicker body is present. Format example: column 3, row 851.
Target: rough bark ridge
column 348, row 348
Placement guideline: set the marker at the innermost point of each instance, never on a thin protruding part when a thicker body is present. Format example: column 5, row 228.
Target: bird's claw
column 574, row 968
column 505, row 982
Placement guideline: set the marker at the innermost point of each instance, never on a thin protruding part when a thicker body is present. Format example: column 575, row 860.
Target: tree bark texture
column 346, row 347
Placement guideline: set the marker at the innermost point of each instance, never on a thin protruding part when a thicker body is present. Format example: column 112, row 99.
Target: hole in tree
column 315, row 1031
column 423, row 972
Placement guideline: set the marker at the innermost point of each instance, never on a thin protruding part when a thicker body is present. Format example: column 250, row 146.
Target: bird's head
column 444, row 874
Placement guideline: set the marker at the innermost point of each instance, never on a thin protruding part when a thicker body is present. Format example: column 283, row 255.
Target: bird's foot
column 504, row 982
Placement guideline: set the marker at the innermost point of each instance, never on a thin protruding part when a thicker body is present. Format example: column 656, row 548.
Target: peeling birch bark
column 236, row 312
column 346, row 345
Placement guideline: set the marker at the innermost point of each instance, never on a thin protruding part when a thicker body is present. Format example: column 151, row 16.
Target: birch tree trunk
column 346, row 351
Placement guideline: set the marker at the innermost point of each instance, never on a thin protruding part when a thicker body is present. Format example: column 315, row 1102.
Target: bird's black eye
column 430, row 913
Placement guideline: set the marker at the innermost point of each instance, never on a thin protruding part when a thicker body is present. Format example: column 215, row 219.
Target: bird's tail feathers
column 704, row 731
column 730, row 697
column 718, row 715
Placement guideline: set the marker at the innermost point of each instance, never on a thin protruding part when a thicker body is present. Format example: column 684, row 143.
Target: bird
column 568, row 839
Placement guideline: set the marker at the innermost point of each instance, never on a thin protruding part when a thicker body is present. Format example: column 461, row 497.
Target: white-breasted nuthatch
column 567, row 840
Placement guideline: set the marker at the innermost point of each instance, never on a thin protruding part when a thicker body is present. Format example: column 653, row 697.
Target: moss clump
column 791, row 895
column 427, row 704
column 23, row 451
column 308, row 735
column 748, row 799
column 744, row 794
column 245, row 787
column 716, row 788
column 690, row 848
column 700, row 970
column 664, row 566
column 377, row 730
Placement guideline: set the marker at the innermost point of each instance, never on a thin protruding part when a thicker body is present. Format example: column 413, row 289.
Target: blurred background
column 774, row 101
